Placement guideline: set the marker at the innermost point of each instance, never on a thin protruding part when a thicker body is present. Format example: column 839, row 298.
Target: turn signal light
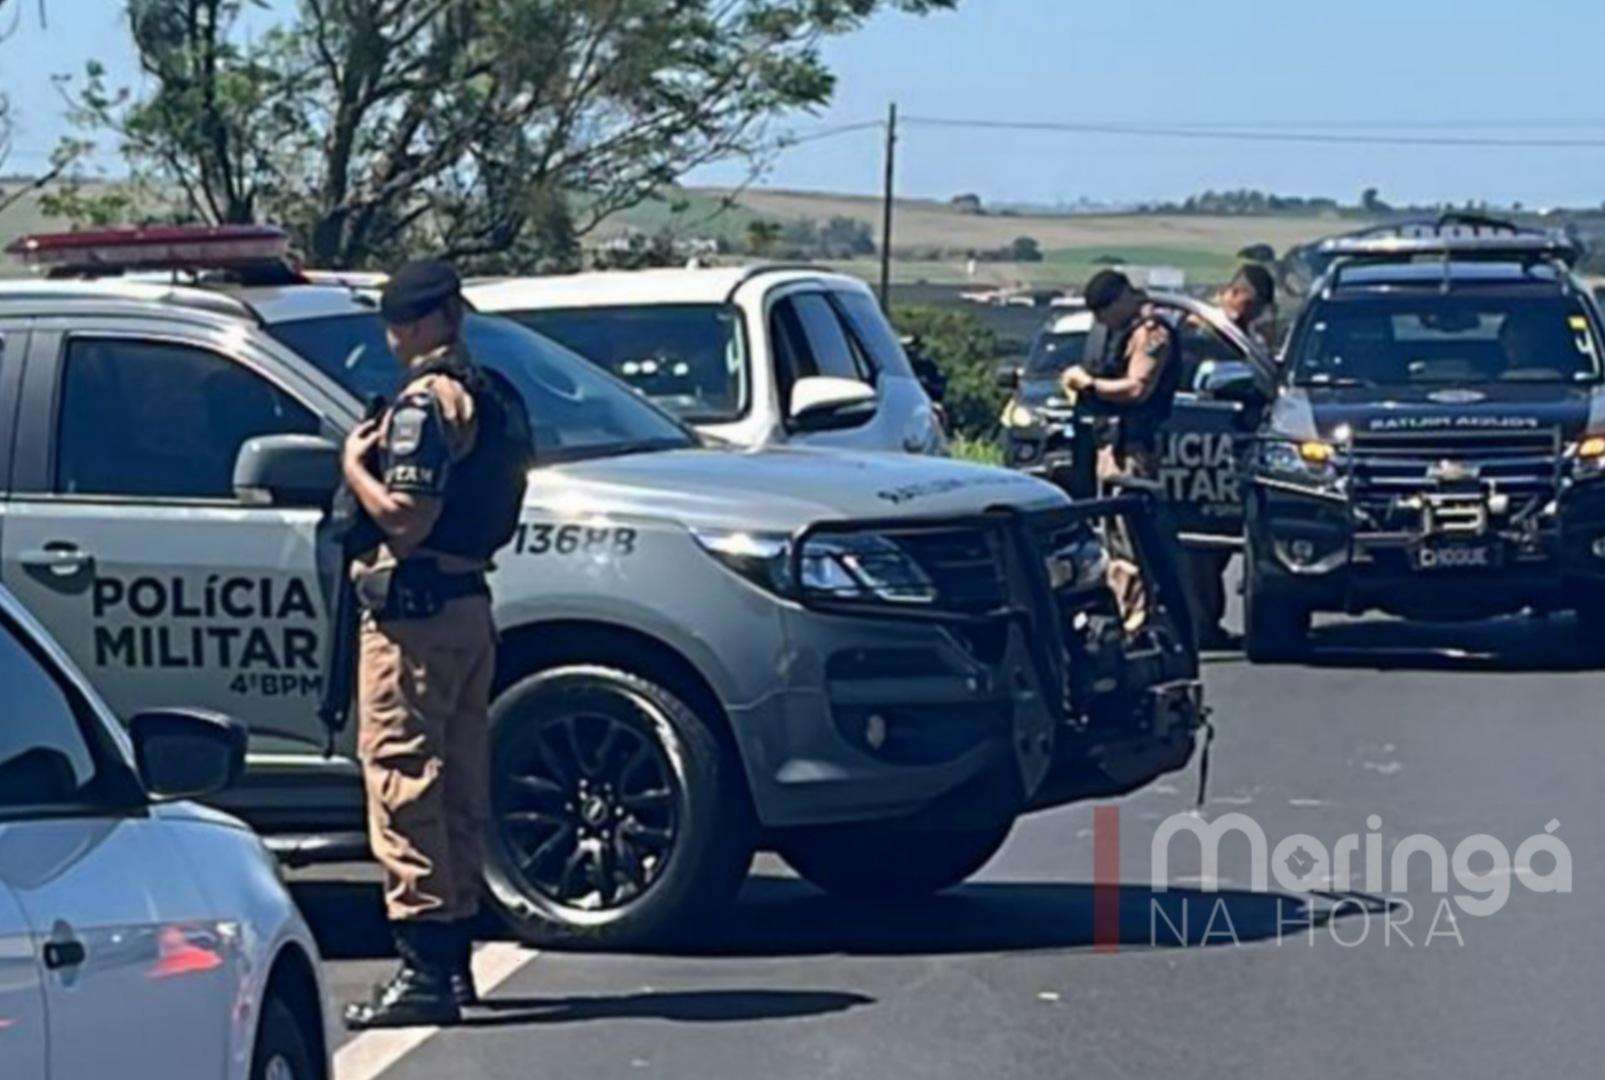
column 1592, row 447
column 1316, row 453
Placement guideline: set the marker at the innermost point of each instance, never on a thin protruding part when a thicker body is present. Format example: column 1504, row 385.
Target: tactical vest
column 1141, row 423
column 484, row 490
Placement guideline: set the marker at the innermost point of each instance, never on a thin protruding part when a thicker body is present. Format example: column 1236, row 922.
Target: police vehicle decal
column 264, row 632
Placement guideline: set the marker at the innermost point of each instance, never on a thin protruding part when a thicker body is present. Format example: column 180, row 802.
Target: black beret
column 1104, row 288
column 1259, row 279
column 417, row 289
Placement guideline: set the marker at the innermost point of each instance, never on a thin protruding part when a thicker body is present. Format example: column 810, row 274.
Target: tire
column 869, row 863
column 1276, row 629
column 618, row 816
column 282, row 1047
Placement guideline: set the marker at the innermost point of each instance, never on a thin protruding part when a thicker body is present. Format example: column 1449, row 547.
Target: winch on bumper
column 1408, row 525
column 1016, row 688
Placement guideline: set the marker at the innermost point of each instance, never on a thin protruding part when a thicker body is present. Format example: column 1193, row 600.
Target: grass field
column 1073, row 245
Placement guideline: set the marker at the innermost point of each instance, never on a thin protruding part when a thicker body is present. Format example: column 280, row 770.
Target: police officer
column 1248, row 296
column 1134, row 385
column 439, row 472
column 1245, row 299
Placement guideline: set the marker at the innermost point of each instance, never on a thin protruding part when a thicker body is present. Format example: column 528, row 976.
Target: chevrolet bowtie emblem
column 1451, row 471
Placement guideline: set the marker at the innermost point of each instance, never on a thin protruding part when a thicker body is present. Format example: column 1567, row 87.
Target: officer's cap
column 1104, row 288
column 417, row 289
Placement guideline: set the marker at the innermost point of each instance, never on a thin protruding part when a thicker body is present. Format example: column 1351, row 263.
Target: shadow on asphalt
column 691, row 1007
column 1516, row 644
column 783, row 916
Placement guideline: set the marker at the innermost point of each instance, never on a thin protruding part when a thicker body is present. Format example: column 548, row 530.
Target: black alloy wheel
column 588, row 806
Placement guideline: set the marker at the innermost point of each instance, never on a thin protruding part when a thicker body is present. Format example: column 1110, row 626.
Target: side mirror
column 1008, row 377
column 1228, row 380
column 187, row 753
column 287, row 470
column 822, row 402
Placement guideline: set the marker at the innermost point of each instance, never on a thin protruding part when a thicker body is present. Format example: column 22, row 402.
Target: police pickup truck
column 872, row 663
column 1436, row 440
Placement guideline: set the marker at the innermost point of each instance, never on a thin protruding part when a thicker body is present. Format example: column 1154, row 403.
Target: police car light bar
column 180, row 248
column 1452, row 235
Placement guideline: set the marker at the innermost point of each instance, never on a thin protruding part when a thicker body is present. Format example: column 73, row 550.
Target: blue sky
column 1485, row 68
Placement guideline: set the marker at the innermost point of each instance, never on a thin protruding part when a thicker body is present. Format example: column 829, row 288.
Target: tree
column 377, row 127
column 1025, row 249
column 63, row 159
column 845, row 237
column 968, row 203
column 966, row 351
column 762, row 236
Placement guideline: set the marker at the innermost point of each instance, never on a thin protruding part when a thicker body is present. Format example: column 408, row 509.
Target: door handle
column 64, row 954
column 58, row 557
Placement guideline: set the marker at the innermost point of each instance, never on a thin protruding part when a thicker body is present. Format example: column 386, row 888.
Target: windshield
column 689, row 358
column 575, row 411
column 1447, row 338
column 1052, row 352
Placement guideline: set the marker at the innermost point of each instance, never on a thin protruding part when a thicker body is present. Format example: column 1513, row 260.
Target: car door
column 1198, row 464
column 124, row 536
column 139, row 975
column 808, row 337
column 23, row 1034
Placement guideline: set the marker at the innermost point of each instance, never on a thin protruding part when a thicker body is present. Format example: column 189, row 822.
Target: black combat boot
column 463, row 990
column 420, row 994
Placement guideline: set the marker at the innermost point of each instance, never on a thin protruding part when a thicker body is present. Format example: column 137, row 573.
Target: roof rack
column 758, row 270
column 1453, row 236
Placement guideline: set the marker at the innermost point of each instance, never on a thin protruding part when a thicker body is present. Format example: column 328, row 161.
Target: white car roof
column 632, row 288
column 1077, row 322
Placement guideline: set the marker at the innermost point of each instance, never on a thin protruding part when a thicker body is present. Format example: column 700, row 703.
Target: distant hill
column 1074, row 245
column 931, row 238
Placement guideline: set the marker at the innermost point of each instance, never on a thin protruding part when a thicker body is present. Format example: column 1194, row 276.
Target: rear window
column 1447, row 339
column 688, row 358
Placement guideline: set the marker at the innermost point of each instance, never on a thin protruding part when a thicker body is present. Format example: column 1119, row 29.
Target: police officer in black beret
column 441, row 473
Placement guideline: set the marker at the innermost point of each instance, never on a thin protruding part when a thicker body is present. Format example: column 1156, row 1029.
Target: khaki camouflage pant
column 423, row 692
column 1117, row 464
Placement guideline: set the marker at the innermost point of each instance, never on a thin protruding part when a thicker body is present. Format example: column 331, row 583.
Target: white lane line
column 372, row 1052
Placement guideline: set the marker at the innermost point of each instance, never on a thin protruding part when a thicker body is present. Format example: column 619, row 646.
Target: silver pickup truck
column 871, row 663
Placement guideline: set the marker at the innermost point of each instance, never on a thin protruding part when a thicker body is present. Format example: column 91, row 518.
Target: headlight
column 1588, row 458
column 860, row 566
column 1019, row 416
column 1308, row 460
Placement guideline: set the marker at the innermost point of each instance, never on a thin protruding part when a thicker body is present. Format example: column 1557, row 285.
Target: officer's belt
column 415, row 589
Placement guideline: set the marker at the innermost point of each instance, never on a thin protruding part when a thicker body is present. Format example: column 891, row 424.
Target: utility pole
column 886, row 209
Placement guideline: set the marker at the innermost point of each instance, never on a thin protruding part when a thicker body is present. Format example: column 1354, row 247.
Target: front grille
column 1515, row 462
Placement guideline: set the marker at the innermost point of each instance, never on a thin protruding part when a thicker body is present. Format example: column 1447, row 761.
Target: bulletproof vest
column 1142, row 422
column 484, row 490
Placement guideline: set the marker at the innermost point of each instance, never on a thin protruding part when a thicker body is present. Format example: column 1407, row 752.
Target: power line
column 789, row 140
column 1240, row 134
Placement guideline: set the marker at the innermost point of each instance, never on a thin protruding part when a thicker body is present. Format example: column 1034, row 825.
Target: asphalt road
column 1492, row 728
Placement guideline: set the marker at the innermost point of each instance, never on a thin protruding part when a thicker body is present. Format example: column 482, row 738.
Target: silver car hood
column 781, row 489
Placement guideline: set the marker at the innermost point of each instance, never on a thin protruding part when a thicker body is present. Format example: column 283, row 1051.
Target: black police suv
column 1435, row 444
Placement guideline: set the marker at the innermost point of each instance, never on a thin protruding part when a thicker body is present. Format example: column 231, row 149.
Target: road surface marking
column 371, row 1053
